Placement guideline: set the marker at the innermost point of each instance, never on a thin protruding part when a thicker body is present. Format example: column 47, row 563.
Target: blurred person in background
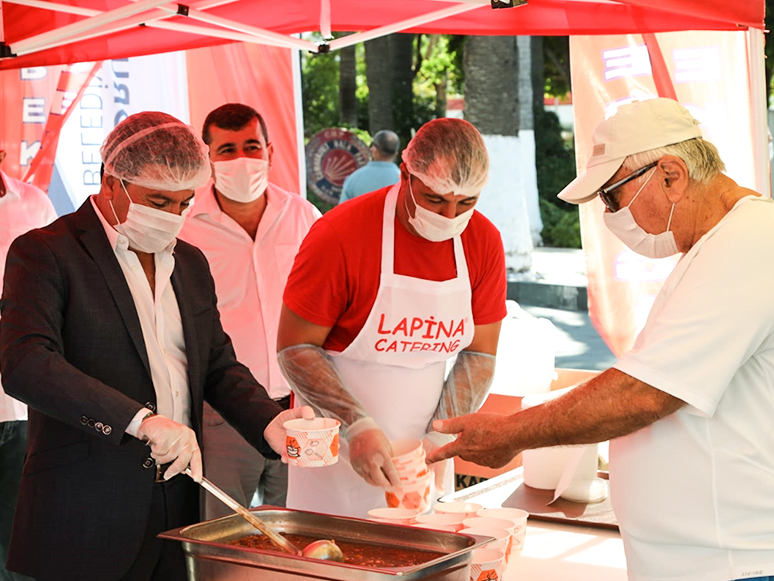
column 378, row 173
column 387, row 290
column 22, row 208
column 250, row 230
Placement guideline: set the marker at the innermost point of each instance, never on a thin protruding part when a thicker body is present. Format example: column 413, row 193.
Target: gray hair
column 701, row 158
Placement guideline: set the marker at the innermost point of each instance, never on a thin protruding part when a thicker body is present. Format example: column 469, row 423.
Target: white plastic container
column 543, row 467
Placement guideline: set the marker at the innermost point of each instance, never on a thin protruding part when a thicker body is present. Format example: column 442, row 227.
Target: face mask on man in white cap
column 634, row 128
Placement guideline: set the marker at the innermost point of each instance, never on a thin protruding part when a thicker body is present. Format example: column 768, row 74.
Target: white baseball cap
column 635, row 127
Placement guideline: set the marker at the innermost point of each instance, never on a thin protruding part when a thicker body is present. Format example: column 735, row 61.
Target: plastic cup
column 399, row 516
column 502, row 538
column 312, row 443
column 478, row 522
column 404, row 450
column 519, row 519
column 488, row 564
column 469, row 509
column 435, row 527
column 414, row 496
column 441, row 519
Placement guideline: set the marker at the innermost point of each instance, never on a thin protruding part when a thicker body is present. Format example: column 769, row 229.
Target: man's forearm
column 609, row 406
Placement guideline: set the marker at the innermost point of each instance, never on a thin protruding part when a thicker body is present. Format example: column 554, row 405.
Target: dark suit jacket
column 71, row 347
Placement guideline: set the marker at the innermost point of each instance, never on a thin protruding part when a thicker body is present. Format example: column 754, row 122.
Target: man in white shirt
column 689, row 408
column 250, row 231
column 22, row 208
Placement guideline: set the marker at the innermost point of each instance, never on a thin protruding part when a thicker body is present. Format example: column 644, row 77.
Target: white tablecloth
column 556, row 552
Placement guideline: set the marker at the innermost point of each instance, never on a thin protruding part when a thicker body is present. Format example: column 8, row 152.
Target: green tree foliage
column 555, row 165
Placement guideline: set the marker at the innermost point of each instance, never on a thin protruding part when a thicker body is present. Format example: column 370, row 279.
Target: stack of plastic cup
column 442, row 521
column 415, row 477
column 468, row 509
column 501, row 537
column 487, row 564
column 397, row 516
column 519, row 519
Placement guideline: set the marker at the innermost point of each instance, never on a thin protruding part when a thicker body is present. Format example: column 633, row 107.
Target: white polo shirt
column 694, row 492
column 250, row 275
column 23, row 208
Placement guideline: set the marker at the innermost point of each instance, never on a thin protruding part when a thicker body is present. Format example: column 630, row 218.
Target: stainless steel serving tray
column 210, row 558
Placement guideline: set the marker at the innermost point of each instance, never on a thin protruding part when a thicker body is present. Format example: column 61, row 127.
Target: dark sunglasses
column 610, row 200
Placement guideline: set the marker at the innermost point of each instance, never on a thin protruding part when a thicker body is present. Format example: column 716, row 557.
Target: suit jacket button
column 84, row 420
column 107, row 430
column 150, row 405
column 148, row 463
column 91, row 423
column 98, row 426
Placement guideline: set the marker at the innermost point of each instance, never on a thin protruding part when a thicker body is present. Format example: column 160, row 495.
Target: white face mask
column 243, row 179
column 148, row 229
column 625, row 227
column 435, row 227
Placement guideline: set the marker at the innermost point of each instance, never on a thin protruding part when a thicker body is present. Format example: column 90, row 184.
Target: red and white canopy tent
column 34, row 33
column 47, row 32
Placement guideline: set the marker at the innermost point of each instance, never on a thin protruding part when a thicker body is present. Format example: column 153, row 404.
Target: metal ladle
column 322, row 549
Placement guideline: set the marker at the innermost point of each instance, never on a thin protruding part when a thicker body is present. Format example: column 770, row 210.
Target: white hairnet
column 157, row 151
column 449, row 155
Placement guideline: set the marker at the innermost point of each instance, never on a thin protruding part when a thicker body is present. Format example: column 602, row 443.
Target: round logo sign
column 331, row 156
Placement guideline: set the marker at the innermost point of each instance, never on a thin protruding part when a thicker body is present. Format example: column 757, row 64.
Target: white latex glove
column 172, row 442
column 370, row 454
column 431, row 442
column 275, row 433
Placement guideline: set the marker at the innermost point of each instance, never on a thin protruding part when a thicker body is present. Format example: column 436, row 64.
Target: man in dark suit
column 110, row 333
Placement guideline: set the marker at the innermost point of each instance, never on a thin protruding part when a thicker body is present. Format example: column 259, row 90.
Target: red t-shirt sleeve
column 317, row 286
column 487, row 273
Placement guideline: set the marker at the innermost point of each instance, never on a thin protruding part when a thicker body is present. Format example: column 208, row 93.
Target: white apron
column 396, row 368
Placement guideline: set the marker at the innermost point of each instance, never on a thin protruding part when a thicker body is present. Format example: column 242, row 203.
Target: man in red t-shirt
column 387, row 290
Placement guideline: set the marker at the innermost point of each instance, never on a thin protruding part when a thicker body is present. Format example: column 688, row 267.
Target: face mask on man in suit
column 148, row 229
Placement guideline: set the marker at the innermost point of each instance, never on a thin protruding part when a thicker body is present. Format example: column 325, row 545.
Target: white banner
column 123, row 87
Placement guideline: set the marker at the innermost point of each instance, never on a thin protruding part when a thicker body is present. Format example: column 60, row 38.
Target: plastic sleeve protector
column 466, row 387
column 312, row 376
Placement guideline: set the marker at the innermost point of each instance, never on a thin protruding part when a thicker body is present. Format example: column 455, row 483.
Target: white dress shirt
column 162, row 327
column 250, row 275
column 22, row 208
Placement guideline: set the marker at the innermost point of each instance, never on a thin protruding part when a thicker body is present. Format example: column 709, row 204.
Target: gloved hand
column 431, row 442
column 370, row 454
column 274, row 434
column 172, row 442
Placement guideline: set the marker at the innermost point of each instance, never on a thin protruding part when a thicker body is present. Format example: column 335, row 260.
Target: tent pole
column 345, row 41
column 282, row 41
column 32, row 43
column 325, row 19
column 54, row 7
column 287, row 41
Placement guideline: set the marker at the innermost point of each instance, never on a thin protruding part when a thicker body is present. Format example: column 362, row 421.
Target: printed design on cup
column 293, row 447
column 487, row 575
column 312, row 443
column 417, row 334
column 315, row 450
column 335, row 445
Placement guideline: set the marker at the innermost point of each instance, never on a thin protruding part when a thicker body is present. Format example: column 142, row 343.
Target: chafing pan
column 210, row 558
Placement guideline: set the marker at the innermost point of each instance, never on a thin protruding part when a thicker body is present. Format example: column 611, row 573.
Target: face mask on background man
column 243, row 179
column 435, row 227
column 148, row 229
column 625, row 227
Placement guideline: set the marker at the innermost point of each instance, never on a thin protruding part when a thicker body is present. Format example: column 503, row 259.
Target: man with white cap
column 688, row 410
column 111, row 335
column 385, row 291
